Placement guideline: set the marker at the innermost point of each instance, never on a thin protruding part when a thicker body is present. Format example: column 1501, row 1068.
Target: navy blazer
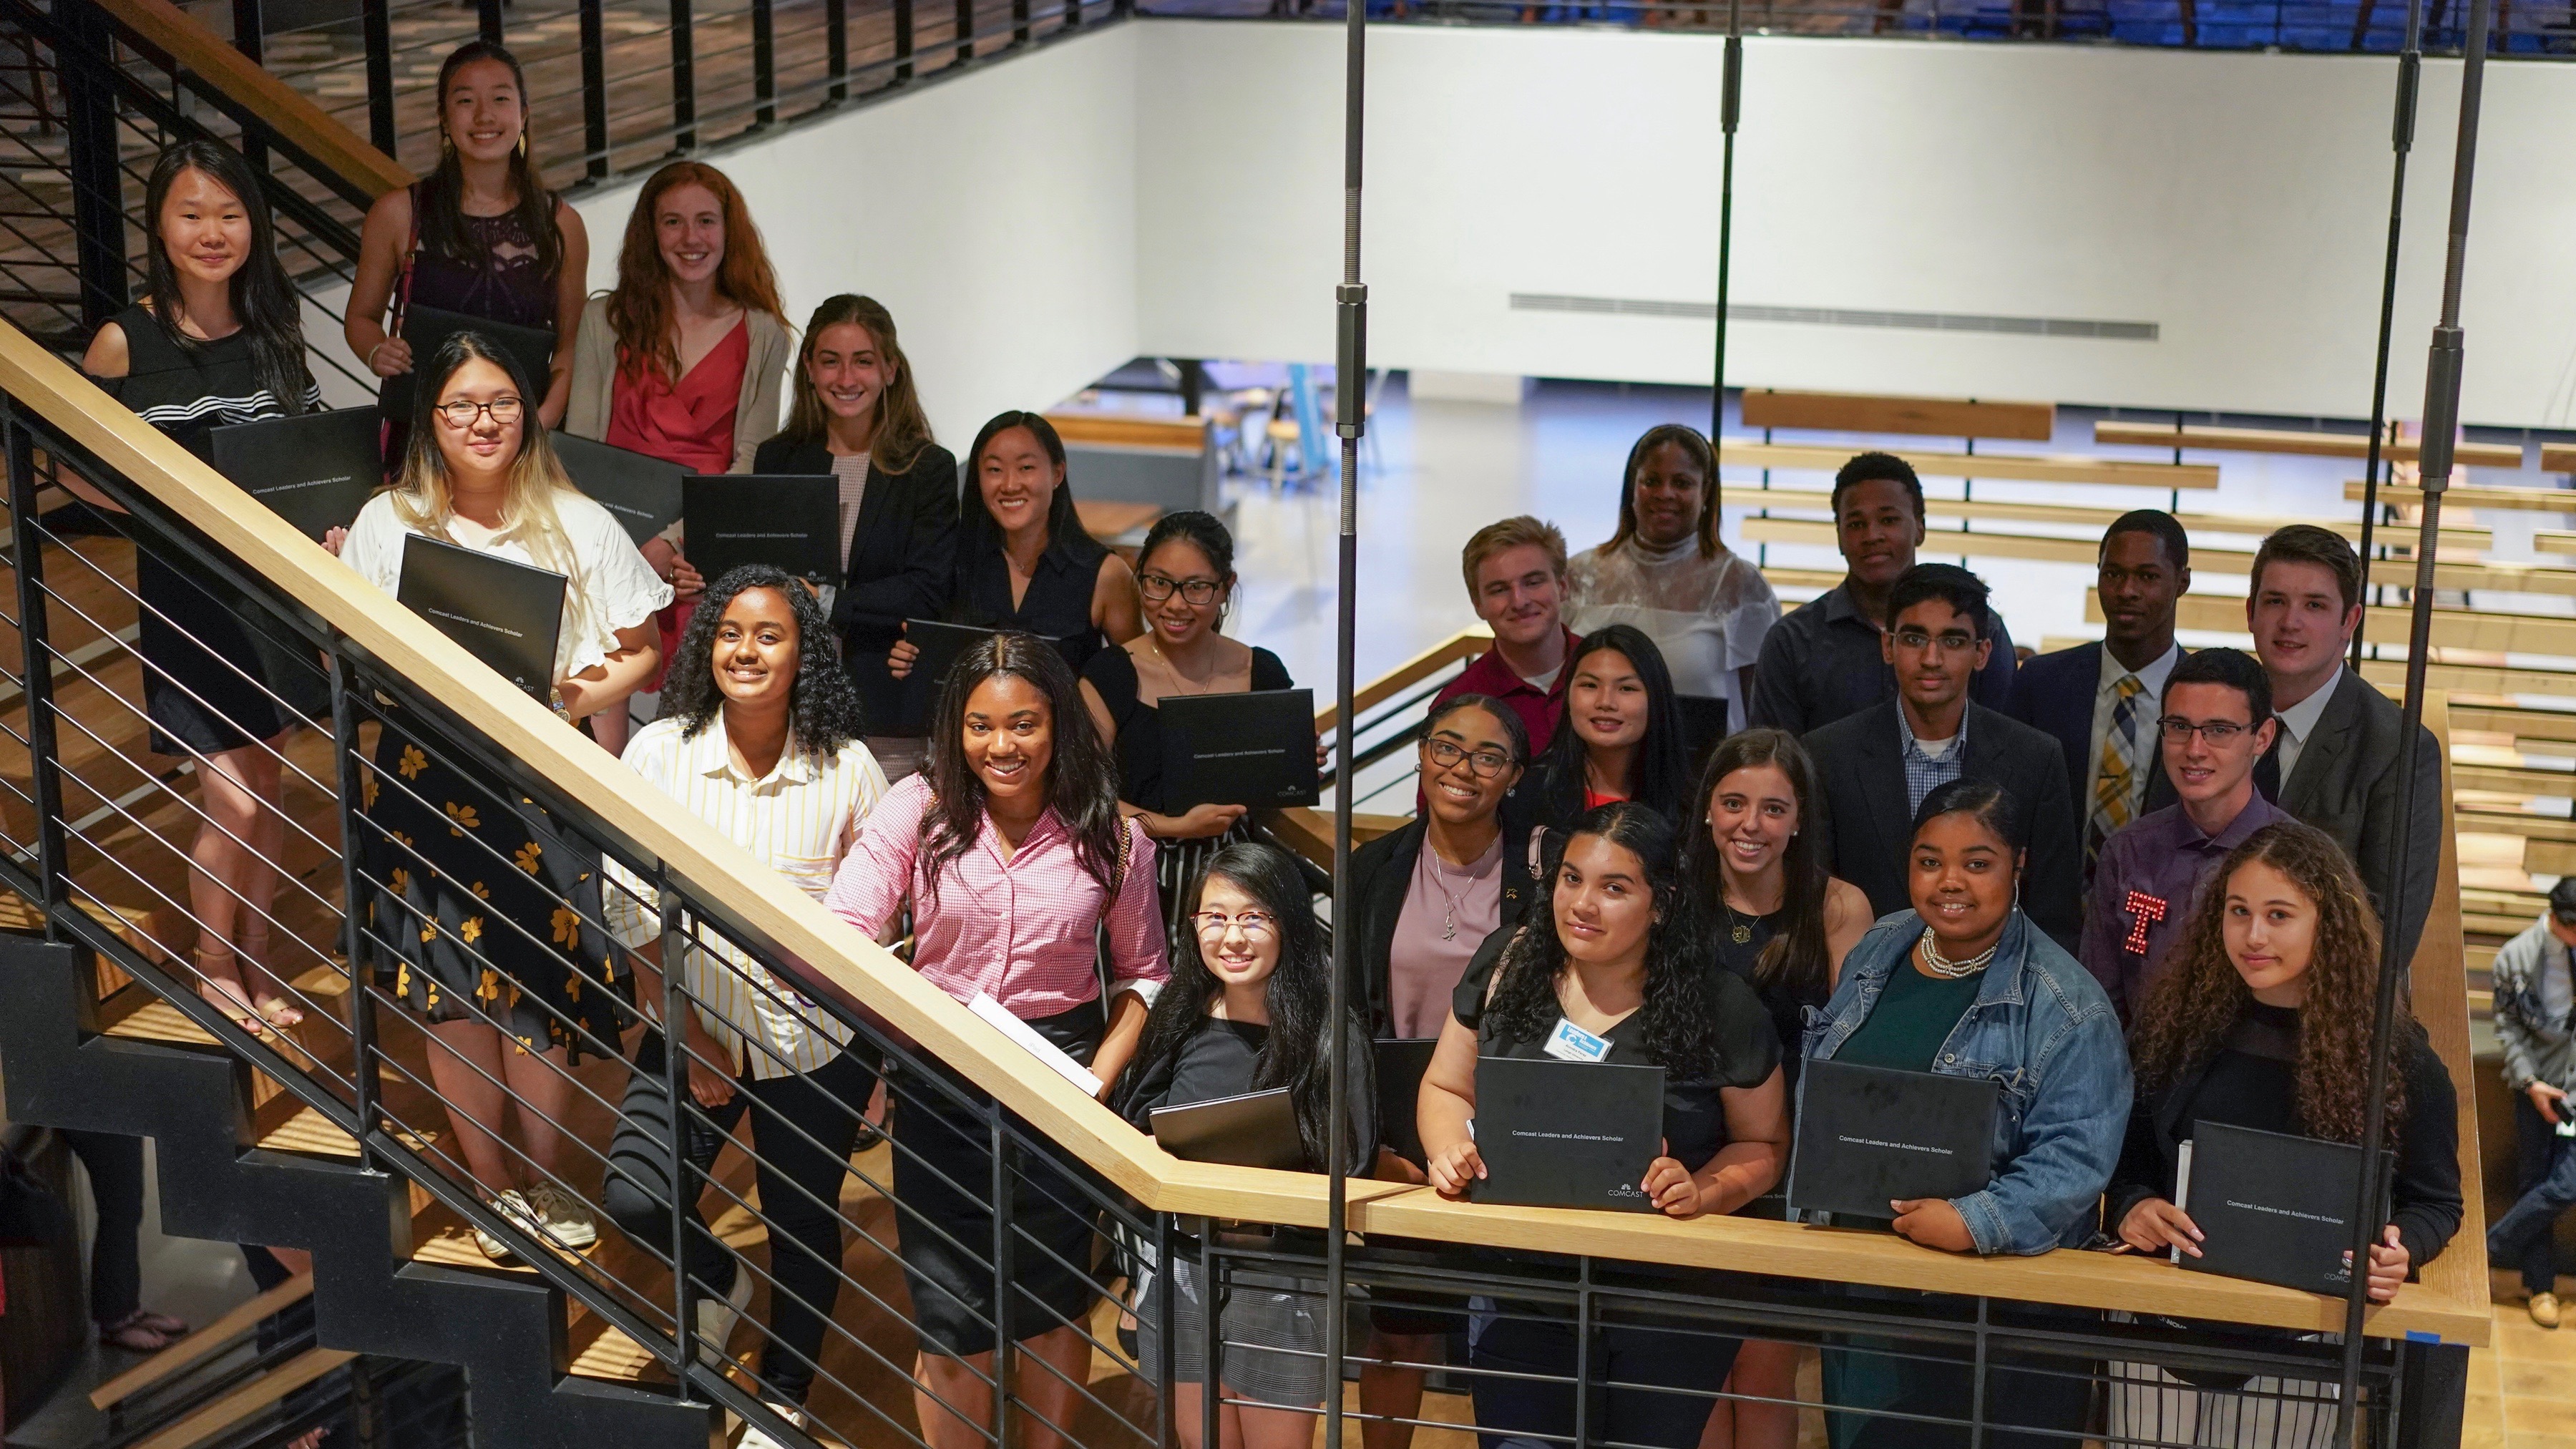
column 2053, row 693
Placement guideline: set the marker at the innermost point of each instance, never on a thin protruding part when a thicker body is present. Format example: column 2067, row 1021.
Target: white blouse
column 1707, row 615
column 613, row 588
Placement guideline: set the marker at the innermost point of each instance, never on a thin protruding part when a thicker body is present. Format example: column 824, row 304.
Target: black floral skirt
column 483, row 909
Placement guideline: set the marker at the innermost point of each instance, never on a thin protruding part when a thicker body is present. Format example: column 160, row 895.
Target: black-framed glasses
column 1947, row 639
column 1156, row 588
column 1484, row 764
column 1253, row 924
column 463, row 412
column 2216, row 731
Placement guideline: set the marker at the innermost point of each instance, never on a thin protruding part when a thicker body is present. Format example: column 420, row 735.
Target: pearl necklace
column 1934, row 963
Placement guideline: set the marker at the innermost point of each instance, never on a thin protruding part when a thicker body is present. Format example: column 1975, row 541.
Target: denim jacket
column 2040, row 1028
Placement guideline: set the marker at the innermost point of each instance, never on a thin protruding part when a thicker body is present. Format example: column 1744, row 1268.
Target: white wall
column 2237, row 201
column 993, row 214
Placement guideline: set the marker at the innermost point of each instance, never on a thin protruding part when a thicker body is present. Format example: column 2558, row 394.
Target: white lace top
column 612, row 586
column 1707, row 615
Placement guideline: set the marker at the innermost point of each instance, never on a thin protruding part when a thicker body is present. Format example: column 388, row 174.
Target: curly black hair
column 822, row 706
column 1679, row 1018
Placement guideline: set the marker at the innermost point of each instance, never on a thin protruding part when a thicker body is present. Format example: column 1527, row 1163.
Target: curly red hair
column 639, row 309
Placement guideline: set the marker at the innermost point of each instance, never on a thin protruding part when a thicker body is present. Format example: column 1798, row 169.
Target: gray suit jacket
column 2346, row 785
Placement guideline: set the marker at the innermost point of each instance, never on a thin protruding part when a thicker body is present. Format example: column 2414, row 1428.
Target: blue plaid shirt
column 1924, row 774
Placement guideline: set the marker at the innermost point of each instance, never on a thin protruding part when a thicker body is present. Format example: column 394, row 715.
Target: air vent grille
column 1841, row 317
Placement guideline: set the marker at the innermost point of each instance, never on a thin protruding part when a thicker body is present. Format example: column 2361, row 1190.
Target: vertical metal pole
column 1730, row 106
column 98, row 183
column 33, row 639
column 1166, row 1316
column 1350, row 404
column 1212, row 1347
column 488, row 19
column 1005, row 1287
column 684, row 80
column 764, row 65
column 902, row 41
column 250, row 33
column 836, row 46
column 364, row 1067
column 1583, row 1329
column 2441, row 421
column 594, row 89
column 379, row 28
column 965, row 31
column 2410, row 65
column 675, row 1084
column 1019, row 22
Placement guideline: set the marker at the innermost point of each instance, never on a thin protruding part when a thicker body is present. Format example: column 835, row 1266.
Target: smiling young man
column 2216, row 722
column 2099, row 699
column 2337, row 763
column 1879, row 764
column 1515, row 573
column 1822, row 662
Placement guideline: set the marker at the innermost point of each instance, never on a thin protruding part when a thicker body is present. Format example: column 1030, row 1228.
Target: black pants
column 1526, row 1407
column 798, row 1182
column 2537, row 1147
column 115, row 1166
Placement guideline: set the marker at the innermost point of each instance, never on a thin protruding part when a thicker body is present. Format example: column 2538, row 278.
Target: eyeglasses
column 2216, row 732
column 1947, row 639
column 1254, row 924
column 1157, row 588
column 464, row 412
column 1484, row 764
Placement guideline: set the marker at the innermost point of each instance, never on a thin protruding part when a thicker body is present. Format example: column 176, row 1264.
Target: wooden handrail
column 861, row 976
column 286, row 110
column 2314, row 445
column 202, row 1342
column 1465, row 644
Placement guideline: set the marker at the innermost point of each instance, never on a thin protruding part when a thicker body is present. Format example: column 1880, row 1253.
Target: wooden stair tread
column 248, row 1399
column 206, row 1340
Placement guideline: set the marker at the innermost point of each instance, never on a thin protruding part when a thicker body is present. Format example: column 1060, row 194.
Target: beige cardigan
column 755, row 415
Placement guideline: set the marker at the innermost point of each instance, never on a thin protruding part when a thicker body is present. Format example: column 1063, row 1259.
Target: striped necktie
column 2118, row 767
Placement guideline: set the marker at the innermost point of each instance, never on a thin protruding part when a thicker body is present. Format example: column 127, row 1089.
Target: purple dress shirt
column 2149, row 875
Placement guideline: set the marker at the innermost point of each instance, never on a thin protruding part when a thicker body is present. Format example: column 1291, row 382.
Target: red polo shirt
column 1539, row 709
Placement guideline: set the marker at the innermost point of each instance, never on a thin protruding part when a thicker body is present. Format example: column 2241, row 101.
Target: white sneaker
column 567, row 1218
column 717, row 1316
column 513, row 1208
column 754, row 1437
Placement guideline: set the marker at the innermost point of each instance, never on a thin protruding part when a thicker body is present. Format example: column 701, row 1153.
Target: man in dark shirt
column 1515, row 573
column 1878, row 765
column 2216, row 721
column 1822, row 662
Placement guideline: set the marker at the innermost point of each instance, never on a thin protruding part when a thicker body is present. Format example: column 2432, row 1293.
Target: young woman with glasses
column 1245, row 1012
column 485, row 917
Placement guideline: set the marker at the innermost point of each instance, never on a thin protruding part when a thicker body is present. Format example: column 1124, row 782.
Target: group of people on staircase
column 2142, row 886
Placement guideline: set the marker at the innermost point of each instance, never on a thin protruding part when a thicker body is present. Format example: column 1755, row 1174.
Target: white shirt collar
column 710, row 752
column 2301, row 719
column 2153, row 676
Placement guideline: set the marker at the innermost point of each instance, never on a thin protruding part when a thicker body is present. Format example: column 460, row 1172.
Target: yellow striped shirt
column 799, row 820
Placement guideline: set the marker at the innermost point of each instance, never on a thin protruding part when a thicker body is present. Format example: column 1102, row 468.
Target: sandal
column 134, row 1335
column 274, row 1008
column 161, row 1323
column 226, row 994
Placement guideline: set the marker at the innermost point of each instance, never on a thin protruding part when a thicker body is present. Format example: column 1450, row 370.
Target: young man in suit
column 1878, row 765
column 1823, row 661
column 2099, row 700
column 2337, row 762
column 2215, row 723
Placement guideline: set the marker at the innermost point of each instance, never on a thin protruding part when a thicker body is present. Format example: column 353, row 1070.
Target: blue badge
column 1571, row 1043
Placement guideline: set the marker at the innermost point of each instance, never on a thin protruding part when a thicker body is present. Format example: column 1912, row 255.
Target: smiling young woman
column 1622, row 735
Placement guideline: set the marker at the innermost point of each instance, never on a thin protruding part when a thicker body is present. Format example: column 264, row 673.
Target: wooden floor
column 2522, row 1391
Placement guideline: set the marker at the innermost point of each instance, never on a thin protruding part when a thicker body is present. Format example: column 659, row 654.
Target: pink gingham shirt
column 1020, row 930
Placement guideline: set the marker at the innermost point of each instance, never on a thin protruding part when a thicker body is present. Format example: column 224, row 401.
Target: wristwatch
column 555, row 701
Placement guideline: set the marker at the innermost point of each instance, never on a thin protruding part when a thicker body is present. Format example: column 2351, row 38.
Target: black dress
column 208, row 668
column 1786, row 1007
column 1057, row 606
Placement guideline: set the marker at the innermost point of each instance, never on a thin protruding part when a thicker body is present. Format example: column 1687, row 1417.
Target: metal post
column 488, row 19
column 1005, row 1288
column 902, row 41
column 42, row 757
column 1730, row 106
column 684, row 80
column 965, row 31
column 1350, row 404
column 675, row 1085
column 379, row 28
column 250, row 31
column 2410, row 65
column 594, row 89
column 2441, row 422
column 764, row 65
column 98, row 183
column 836, row 46
column 1019, row 22
column 1166, row 1317
column 364, row 1067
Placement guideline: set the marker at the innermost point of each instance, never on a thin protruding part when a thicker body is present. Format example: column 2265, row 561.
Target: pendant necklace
column 1936, row 964
column 1741, row 932
column 1449, row 922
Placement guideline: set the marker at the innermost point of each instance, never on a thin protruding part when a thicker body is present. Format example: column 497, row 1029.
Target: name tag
column 1571, row 1043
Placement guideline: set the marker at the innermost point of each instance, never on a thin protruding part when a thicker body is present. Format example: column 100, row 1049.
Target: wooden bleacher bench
column 2492, row 631
column 2101, row 517
column 2558, row 457
column 1851, row 412
column 2471, row 495
column 2306, row 444
column 1982, row 467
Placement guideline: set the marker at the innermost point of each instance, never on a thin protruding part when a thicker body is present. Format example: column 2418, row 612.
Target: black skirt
column 214, row 668
column 478, row 908
column 943, row 1190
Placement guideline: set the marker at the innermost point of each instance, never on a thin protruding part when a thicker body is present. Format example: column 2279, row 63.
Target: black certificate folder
column 505, row 613
column 1567, row 1134
column 2274, row 1208
column 642, row 492
column 427, row 330
column 1870, row 1136
column 315, row 470
column 791, row 521
column 1239, row 749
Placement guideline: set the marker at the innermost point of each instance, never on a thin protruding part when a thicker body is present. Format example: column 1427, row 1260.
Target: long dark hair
column 263, row 301
column 822, row 704
column 2186, row 1017
column 1661, row 770
column 1298, row 998
column 1680, row 1027
column 903, row 429
column 977, row 531
column 440, row 218
column 1795, row 962
column 1082, row 776
column 1702, row 457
